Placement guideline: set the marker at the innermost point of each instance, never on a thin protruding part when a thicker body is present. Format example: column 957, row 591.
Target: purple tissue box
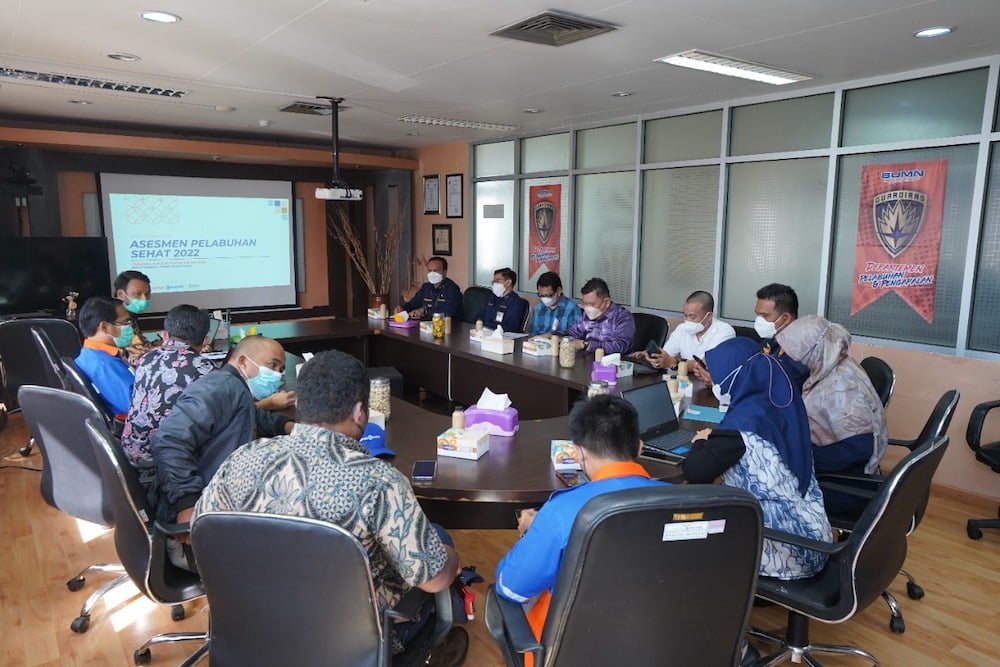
column 408, row 324
column 607, row 373
column 500, row 422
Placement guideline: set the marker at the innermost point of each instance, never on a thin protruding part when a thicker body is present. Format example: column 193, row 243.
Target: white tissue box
column 464, row 443
column 625, row 369
column 565, row 455
column 426, row 327
column 498, row 345
column 537, row 348
column 374, row 313
column 474, row 335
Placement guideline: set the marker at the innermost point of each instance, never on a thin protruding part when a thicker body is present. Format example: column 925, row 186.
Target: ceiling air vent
column 88, row 82
column 310, row 108
column 554, row 28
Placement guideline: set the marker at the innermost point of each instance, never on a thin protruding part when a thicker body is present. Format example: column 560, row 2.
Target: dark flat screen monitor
column 36, row 273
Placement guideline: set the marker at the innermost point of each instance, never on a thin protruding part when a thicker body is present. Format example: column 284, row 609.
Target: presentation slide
column 213, row 243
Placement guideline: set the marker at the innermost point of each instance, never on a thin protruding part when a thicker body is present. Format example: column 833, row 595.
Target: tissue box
column 537, row 348
column 625, row 369
column 565, row 455
column 374, row 314
column 425, row 327
column 497, row 345
column 499, row 422
column 408, row 324
column 474, row 336
column 607, row 373
column 464, row 443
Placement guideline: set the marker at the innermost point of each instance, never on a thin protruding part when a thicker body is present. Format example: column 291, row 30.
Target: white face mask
column 764, row 328
column 433, row 277
column 498, row 289
column 592, row 312
column 725, row 398
column 692, row 328
column 547, row 301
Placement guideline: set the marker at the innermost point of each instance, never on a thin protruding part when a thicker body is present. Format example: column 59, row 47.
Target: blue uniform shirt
column 108, row 374
column 445, row 299
column 554, row 320
column 509, row 309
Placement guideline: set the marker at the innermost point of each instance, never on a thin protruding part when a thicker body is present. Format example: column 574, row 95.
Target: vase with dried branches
column 385, row 252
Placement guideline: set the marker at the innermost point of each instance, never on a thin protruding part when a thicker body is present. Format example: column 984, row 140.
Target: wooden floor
column 957, row 623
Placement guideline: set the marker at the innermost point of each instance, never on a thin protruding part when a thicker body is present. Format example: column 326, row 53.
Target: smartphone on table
column 653, row 348
column 423, row 471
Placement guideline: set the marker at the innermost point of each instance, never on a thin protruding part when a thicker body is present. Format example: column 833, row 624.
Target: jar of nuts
column 379, row 396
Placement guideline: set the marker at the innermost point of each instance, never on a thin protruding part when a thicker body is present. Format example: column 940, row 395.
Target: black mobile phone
column 699, row 360
column 653, row 348
column 423, row 471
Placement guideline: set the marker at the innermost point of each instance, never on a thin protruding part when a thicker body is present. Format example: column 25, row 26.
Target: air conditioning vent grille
column 555, row 28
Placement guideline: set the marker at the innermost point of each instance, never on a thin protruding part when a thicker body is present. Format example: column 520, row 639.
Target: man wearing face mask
column 505, row 308
column 105, row 323
column 132, row 288
column 607, row 325
column 777, row 307
column 440, row 294
column 696, row 335
column 336, row 480
column 210, row 419
column 555, row 313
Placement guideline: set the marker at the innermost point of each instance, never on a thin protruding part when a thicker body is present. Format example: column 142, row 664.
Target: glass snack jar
column 379, row 394
column 437, row 325
column 567, row 352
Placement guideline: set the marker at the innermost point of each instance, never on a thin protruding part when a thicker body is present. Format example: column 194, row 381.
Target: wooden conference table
column 453, row 367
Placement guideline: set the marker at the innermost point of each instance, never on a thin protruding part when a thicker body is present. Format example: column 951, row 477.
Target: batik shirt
column 139, row 345
column 323, row 475
column 162, row 375
column 613, row 331
column 554, row 320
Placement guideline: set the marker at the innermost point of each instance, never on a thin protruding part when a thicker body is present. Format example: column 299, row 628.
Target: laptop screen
column 213, row 328
column 653, row 404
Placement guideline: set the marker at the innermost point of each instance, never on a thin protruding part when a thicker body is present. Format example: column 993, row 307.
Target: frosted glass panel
column 548, row 153
column 891, row 317
column 605, row 206
column 786, row 125
column 537, row 244
column 941, row 106
column 677, row 252
column 683, row 137
column 606, row 146
column 774, row 232
column 494, row 160
column 984, row 330
column 494, row 228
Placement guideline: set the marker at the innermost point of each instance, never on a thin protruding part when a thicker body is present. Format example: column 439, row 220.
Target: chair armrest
column 408, row 606
column 899, row 442
column 975, row 429
column 829, row 548
column 171, row 529
column 848, row 489
column 515, row 625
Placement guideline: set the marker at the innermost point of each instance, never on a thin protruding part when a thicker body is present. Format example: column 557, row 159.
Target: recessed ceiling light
column 743, row 69
column 157, row 16
column 223, row 109
column 80, row 102
column 124, row 57
column 534, row 110
column 936, row 31
column 622, row 93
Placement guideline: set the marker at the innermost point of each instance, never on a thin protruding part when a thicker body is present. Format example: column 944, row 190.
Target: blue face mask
column 124, row 339
column 266, row 382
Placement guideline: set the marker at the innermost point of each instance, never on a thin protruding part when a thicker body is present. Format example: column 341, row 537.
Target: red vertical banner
column 546, row 228
column 899, row 234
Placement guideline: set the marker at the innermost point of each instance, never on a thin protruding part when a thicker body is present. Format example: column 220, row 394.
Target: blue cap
column 374, row 439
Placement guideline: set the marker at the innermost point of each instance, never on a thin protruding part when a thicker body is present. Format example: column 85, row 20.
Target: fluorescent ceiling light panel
column 451, row 122
column 743, row 69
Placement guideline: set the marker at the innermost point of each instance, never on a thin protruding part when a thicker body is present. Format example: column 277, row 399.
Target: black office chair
column 527, row 314
column 77, row 382
column 50, row 355
column 649, row 327
column 20, row 361
column 865, row 486
column 628, row 594
column 473, row 300
column 985, row 453
column 858, row 569
column 306, row 582
column 141, row 542
column 747, row 332
column 71, row 480
column 882, row 376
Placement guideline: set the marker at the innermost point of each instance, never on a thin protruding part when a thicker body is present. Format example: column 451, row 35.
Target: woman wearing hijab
column 762, row 446
column 846, row 417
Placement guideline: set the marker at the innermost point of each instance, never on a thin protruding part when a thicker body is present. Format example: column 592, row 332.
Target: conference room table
column 454, row 366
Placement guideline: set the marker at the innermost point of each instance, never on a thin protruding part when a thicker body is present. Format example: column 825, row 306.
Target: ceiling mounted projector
column 337, row 190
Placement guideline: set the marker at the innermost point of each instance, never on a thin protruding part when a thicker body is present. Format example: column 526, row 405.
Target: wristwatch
column 586, row 344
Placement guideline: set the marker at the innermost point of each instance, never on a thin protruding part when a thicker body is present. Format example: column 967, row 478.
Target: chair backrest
column 141, row 549
column 974, row 431
column 305, row 582
column 882, row 376
column 77, row 382
column 937, row 424
column 747, row 332
column 71, row 478
column 473, row 300
column 20, row 361
column 50, row 355
column 877, row 546
column 526, row 309
column 649, row 327
column 656, row 574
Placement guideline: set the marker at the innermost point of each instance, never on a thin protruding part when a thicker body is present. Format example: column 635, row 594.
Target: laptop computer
column 220, row 346
column 663, row 438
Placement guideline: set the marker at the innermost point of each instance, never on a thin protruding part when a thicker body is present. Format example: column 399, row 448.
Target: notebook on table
column 663, row 438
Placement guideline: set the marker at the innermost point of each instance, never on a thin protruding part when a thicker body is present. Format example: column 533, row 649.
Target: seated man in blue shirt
column 605, row 430
column 440, row 294
column 108, row 329
column 505, row 307
column 555, row 313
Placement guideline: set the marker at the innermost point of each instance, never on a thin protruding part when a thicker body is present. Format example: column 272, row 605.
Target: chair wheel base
column 897, row 625
column 76, row 583
column 80, row 624
column 914, row 590
column 25, row 451
column 177, row 612
column 973, row 532
column 142, row 656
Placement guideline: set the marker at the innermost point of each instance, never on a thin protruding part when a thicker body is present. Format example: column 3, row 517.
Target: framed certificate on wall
column 441, row 239
column 453, row 195
column 432, row 194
